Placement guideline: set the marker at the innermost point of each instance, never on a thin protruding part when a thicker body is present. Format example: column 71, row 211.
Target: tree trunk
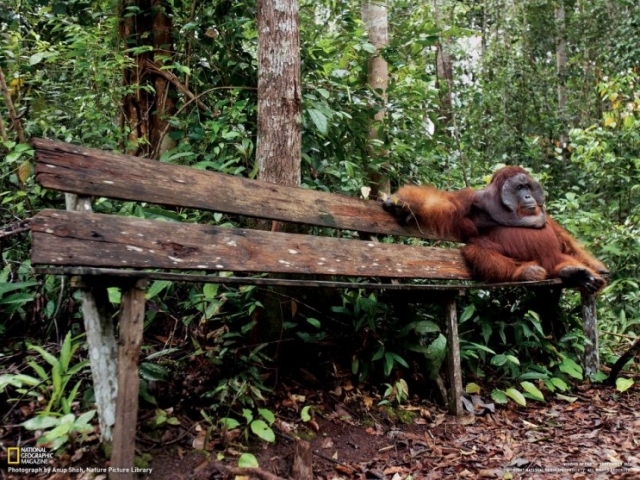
column 279, row 142
column 444, row 70
column 561, row 63
column 444, row 76
column 374, row 16
column 147, row 23
column 16, row 122
column 278, row 148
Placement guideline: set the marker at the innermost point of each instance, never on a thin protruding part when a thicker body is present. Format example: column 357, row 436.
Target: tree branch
column 17, row 124
column 15, row 228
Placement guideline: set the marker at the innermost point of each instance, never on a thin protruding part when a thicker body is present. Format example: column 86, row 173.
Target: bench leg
column 102, row 356
column 590, row 326
column 130, row 341
column 453, row 357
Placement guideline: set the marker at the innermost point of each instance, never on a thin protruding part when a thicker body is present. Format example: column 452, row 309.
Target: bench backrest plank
column 96, row 240
column 92, row 172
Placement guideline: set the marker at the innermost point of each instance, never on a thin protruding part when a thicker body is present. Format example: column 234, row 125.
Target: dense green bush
column 64, row 63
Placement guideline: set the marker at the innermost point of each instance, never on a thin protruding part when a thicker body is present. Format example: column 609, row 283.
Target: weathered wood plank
column 418, row 290
column 130, row 341
column 453, row 357
column 96, row 240
column 101, row 340
column 590, row 326
column 86, row 171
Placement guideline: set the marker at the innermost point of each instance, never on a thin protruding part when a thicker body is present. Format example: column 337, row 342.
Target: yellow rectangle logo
column 13, row 455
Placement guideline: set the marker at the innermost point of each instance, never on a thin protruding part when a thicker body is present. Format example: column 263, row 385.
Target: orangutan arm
column 571, row 247
column 446, row 214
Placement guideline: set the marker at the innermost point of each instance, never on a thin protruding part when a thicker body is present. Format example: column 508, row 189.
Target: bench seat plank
column 97, row 240
column 92, row 172
column 115, row 276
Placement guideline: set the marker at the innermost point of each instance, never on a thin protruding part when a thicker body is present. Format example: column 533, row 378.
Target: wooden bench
column 101, row 250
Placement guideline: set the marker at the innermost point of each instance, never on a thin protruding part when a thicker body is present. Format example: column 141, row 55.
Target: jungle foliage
column 64, row 62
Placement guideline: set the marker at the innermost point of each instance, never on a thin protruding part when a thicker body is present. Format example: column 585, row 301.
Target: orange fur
column 495, row 251
column 445, row 213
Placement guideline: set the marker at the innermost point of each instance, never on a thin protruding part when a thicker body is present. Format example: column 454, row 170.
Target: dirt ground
column 597, row 436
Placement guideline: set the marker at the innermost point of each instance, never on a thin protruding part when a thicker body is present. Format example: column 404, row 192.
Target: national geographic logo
column 28, row 456
column 13, row 455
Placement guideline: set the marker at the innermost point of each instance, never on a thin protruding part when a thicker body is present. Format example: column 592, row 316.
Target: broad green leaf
column 17, row 299
column 247, row 414
column 229, row 423
column 399, row 359
column 623, row 384
column 516, row 396
column 8, row 287
column 435, row 355
column 304, row 413
column 355, row 365
column 85, row 417
column 570, row 367
column 388, row 364
column 157, row 287
column 267, row 415
column 319, row 120
column 262, row 430
column 18, row 380
column 499, row 360
column 153, row 372
column 248, row 460
column 424, row 327
column 40, row 422
column 78, row 367
column 36, row 58
column 210, row 290
column 115, row 295
column 379, row 353
column 472, row 388
column 534, row 376
column 41, row 372
column 532, row 390
column 560, row 384
column 467, row 313
column 312, row 321
column 499, row 396
column 513, row 359
column 50, row 359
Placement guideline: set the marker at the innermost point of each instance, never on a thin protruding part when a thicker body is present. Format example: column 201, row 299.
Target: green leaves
column 263, row 431
column 532, row 390
column 61, row 429
column 60, row 374
column 570, row 367
column 319, row 120
column 261, row 428
column 624, row 384
column 248, row 460
column 516, row 396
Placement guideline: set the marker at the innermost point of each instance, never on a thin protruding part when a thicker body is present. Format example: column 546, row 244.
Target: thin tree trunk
column 374, row 16
column 147, row 23
column 561, row 62
column 15, row 121
column 165, row 104
column 3, row 131
column 444, row 75
column 444, row 69
column 278, row 148
column 279, row 140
